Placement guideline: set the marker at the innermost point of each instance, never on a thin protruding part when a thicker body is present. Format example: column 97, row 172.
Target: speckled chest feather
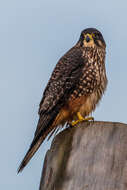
column 92, row 82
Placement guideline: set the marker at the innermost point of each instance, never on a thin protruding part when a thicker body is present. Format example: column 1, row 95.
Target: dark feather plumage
column 79, row 73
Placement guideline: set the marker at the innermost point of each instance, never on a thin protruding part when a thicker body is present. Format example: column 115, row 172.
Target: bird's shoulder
column 69, row 62
column 72, row 56
column 66, row 63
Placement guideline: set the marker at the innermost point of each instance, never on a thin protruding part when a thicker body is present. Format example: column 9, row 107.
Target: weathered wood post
column 90, row 156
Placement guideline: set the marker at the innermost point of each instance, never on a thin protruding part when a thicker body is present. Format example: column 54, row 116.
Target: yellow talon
column 89, row 119
column 80, row 119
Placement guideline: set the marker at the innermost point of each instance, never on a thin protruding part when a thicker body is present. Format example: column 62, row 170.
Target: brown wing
column 61, row 84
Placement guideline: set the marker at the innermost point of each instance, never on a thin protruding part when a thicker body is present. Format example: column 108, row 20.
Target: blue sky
column 33, row 36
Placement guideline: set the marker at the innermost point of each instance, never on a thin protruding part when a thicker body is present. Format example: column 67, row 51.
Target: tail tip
column 21, row 167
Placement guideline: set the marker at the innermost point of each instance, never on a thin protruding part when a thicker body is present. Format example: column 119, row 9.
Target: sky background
column 33, row 36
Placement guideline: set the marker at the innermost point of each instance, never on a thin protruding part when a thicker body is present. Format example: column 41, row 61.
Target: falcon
column 74, row 89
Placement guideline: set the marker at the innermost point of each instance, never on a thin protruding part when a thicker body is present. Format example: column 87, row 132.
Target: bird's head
column 91, row 37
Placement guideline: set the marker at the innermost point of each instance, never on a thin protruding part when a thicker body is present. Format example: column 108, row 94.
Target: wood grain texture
column 90, row 156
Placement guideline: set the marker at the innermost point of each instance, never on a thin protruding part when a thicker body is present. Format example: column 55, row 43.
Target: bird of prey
column 74, row 89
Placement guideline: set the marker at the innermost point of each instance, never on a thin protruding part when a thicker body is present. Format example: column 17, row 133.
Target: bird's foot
column 81, row 118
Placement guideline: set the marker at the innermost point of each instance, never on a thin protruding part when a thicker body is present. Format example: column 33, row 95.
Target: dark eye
column 96, row 36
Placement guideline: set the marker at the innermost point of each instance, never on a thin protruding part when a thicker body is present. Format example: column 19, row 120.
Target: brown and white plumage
column 76, row 85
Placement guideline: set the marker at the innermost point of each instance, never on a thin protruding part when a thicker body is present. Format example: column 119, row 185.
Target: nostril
column 87, row 38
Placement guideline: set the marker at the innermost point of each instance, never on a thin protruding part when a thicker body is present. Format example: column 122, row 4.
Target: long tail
column 44, row 127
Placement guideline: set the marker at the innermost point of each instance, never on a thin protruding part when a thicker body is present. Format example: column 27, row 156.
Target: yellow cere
column 90, row 36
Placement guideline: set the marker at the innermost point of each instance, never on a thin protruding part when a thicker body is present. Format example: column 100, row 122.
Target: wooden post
column 90, row 156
